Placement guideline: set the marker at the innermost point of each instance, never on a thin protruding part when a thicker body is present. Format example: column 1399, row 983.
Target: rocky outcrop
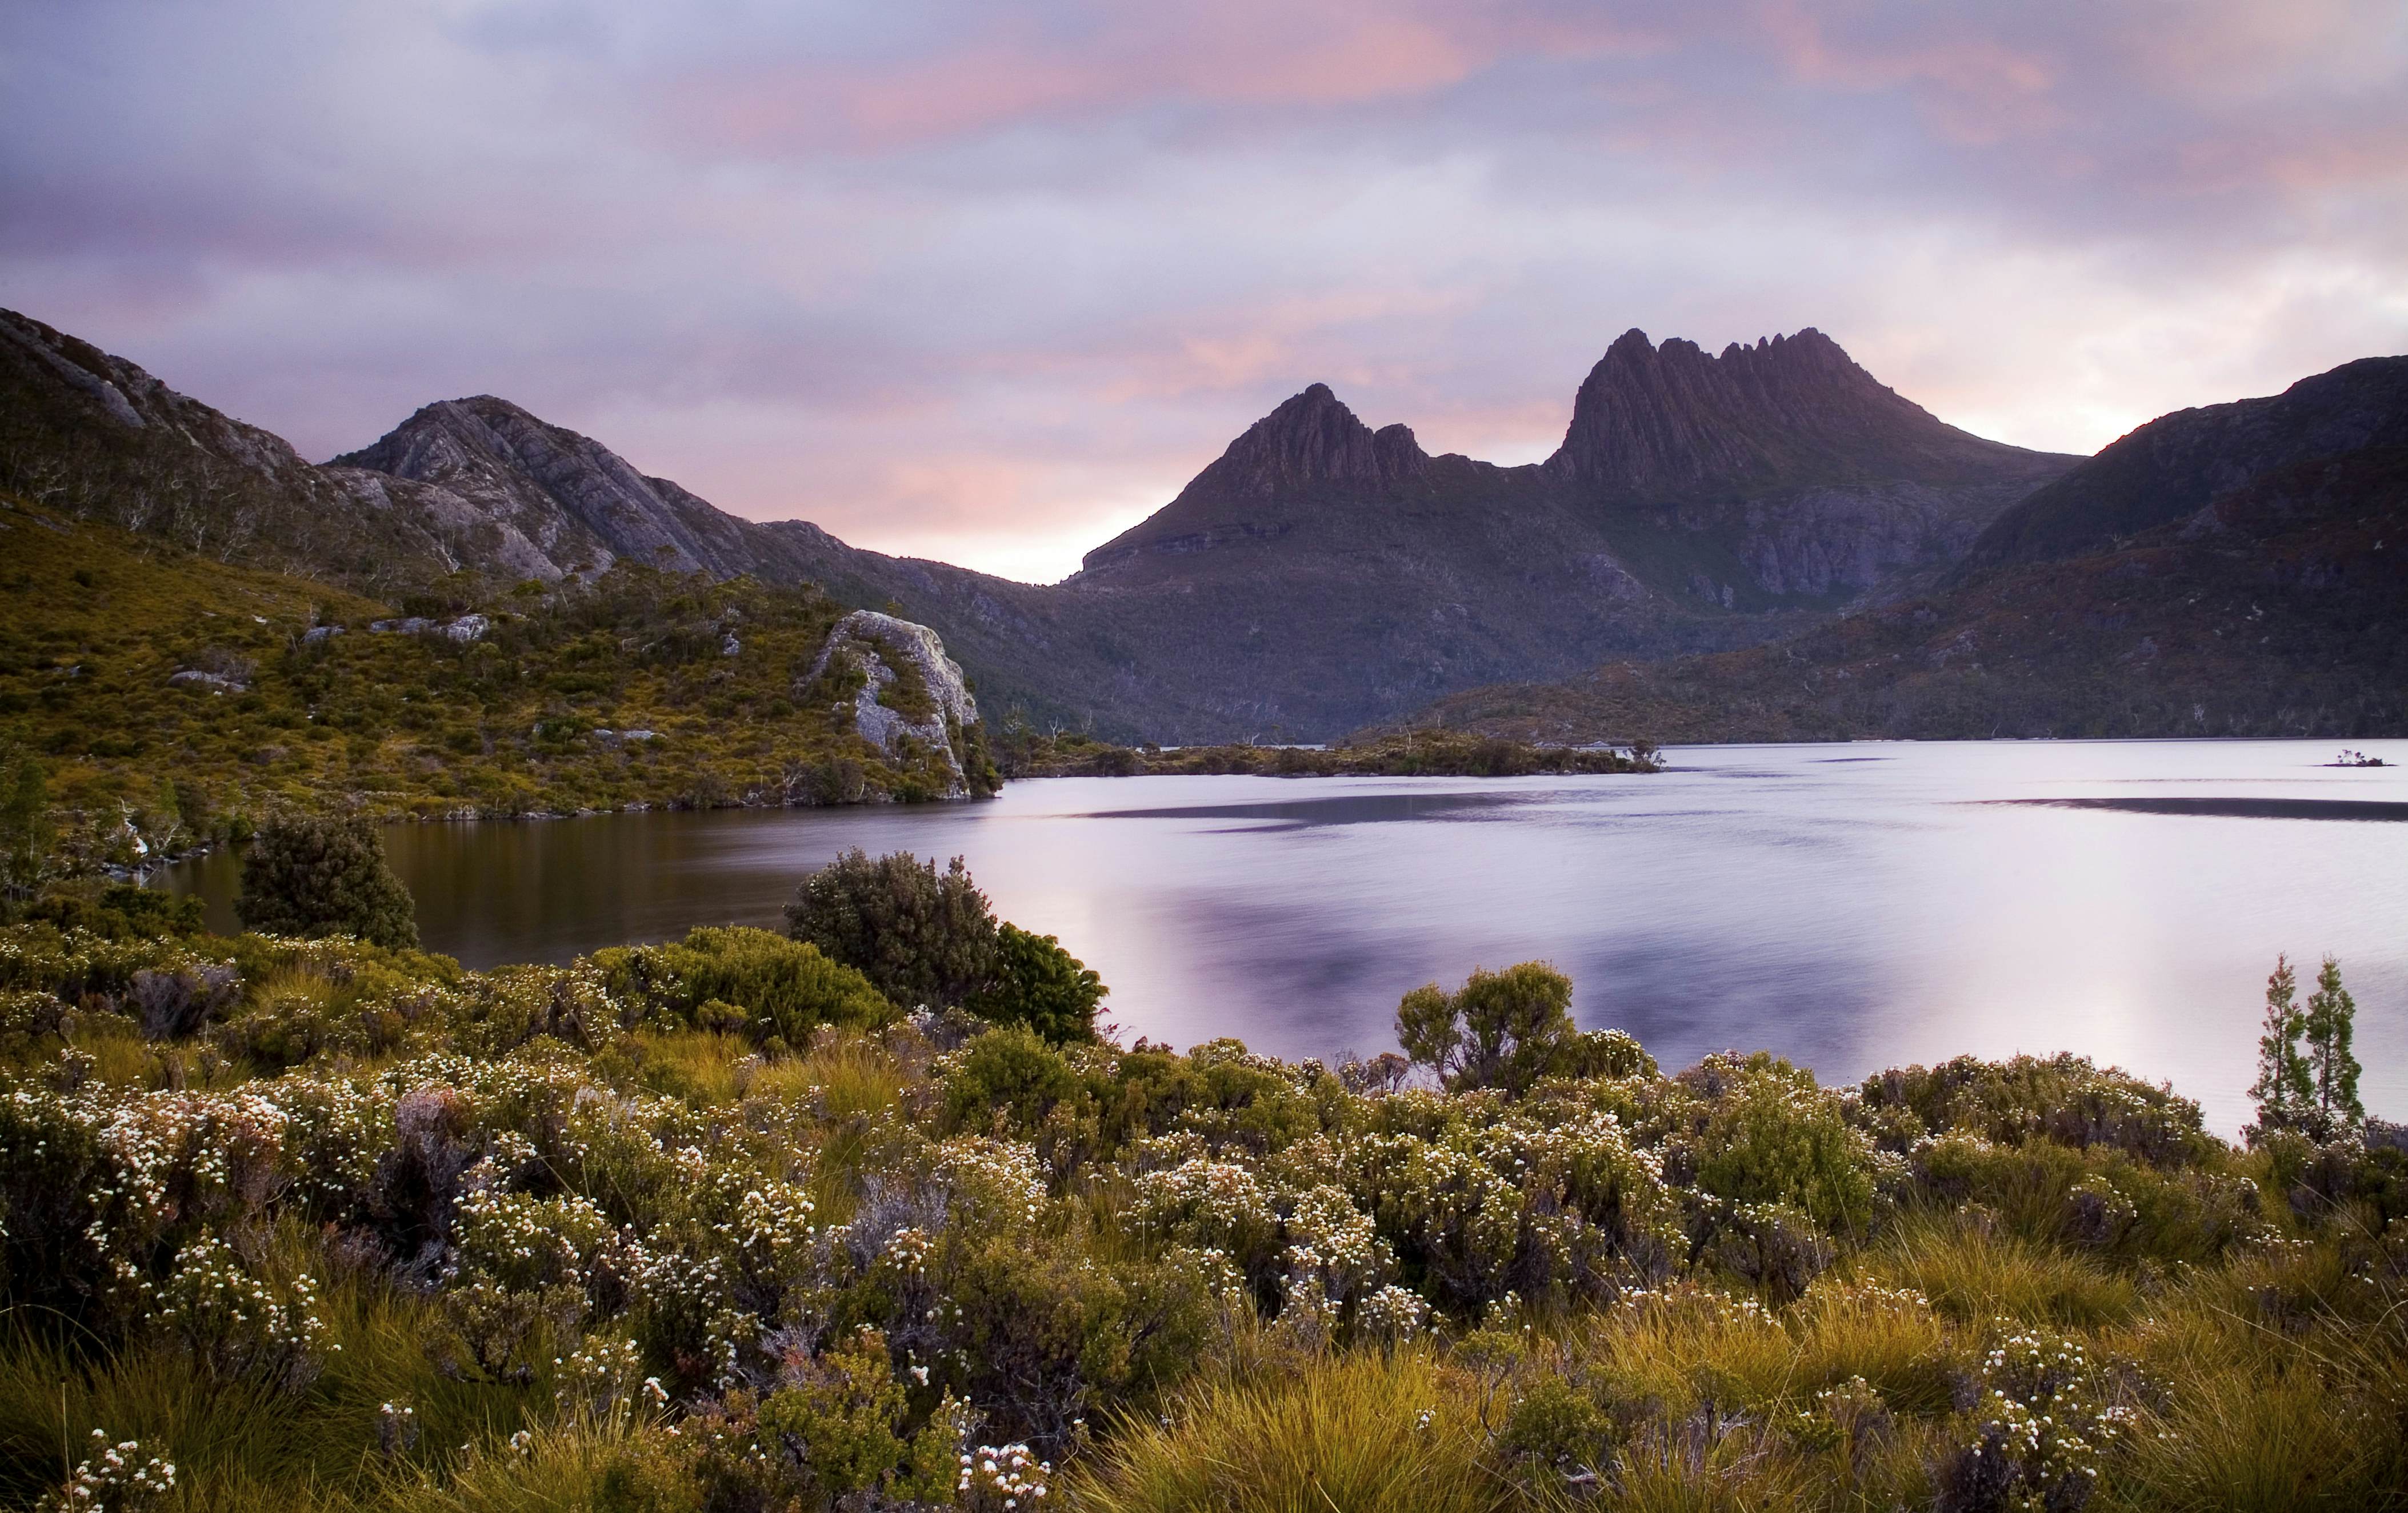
column 582, row 503
column 1655, row 423
column 912, row 698
column 106, row 440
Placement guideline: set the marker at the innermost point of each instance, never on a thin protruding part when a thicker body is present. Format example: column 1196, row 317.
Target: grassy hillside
column 532, row 717
column 2282, row 616
column 329, row 1228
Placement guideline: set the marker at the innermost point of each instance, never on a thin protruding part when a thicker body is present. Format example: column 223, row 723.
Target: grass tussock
column 1368, row 1430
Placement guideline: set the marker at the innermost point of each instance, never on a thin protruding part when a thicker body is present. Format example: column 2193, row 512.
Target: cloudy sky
column 989, row 281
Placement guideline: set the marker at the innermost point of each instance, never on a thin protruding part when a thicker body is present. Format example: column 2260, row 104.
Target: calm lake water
column 1850, row 906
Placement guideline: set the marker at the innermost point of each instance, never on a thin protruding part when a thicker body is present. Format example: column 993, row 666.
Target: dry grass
column 1971, row 1275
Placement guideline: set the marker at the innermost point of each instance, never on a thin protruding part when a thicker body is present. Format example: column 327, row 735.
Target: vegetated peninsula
column 314, row 1220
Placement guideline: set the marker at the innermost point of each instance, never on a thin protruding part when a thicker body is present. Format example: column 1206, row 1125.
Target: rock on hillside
column 909, row 692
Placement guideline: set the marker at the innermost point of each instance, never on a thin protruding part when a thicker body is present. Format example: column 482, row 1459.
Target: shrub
column 323, row 876
column 122, row 911
column 1498, row 1030
column 839, row 1429
column 1008, row 1081
column 920, row 937
column 1772, row 1137
column 786, row 987
column 1039, row 985
column 2066, row 1099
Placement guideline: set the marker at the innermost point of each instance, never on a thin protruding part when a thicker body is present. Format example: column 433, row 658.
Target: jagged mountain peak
column 1661, row 421
column 1311, row 442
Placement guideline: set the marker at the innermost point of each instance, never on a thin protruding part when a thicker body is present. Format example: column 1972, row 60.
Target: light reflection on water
column 1850, row 906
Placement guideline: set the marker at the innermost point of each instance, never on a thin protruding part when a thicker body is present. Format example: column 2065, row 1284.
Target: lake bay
column 1851, row 906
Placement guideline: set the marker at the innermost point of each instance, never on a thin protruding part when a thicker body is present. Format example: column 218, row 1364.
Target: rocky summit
column 1320, row 574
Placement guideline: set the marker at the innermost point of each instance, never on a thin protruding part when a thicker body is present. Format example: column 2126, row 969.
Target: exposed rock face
column 888, row 652
column 1661, row 423
column 1313, row 442
column 2179, row 465
column 579, row 501
column 114, row 442
column 1318, row 575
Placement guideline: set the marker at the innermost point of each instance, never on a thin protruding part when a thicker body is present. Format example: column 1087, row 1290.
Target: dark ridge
column 2180, row 464
column 2233, row 809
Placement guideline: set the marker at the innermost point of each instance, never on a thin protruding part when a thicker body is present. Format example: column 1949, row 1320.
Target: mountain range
column 1318, row 576
column 2237, row 569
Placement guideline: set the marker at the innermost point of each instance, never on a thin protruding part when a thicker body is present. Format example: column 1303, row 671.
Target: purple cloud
column 989, row 283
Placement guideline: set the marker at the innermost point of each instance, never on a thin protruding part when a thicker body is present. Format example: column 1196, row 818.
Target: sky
column 989, row 282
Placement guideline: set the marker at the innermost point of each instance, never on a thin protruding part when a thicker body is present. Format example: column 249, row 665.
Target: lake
column 1851, row 906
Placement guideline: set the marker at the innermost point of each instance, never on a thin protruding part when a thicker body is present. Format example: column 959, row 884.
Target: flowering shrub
column 2044, row 1427
column 234, row 1324
column 1002, row 1477
column 828, row 1268
column 2066, row 1099
column 1769, row 1135
column 114, row 1478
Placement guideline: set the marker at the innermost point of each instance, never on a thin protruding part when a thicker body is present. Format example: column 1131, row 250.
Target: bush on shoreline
column 717, row 1225
column 1421, row 753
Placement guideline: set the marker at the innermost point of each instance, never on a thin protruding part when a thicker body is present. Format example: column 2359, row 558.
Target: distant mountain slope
column 2177, row 465
column 96, row 436
column 2279, row 608
column 1317, row 576
column 166, row 692
column 1321, row 573
column 580, row 501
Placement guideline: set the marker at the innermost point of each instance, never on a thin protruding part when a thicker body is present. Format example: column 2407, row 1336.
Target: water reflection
column 1850, row 909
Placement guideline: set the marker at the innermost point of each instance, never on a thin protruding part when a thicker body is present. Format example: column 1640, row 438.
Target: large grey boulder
column 882, row 646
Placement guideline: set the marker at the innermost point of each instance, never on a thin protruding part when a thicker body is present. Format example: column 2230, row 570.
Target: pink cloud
column 1236, row 53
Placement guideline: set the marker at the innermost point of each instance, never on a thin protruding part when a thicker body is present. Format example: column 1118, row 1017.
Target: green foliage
column 777, row 987
column 1499, row 1030
column 308, row 875
column 1009, row 1082
column 2064, row 1099
column 922, row 937
column 2328, row 1025
column 1771, row 1136
column 840, row 1430
column 121, row 911
column 355, row 1229
column 1039, row 985
column 26, row 833
column 2286, row 1090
